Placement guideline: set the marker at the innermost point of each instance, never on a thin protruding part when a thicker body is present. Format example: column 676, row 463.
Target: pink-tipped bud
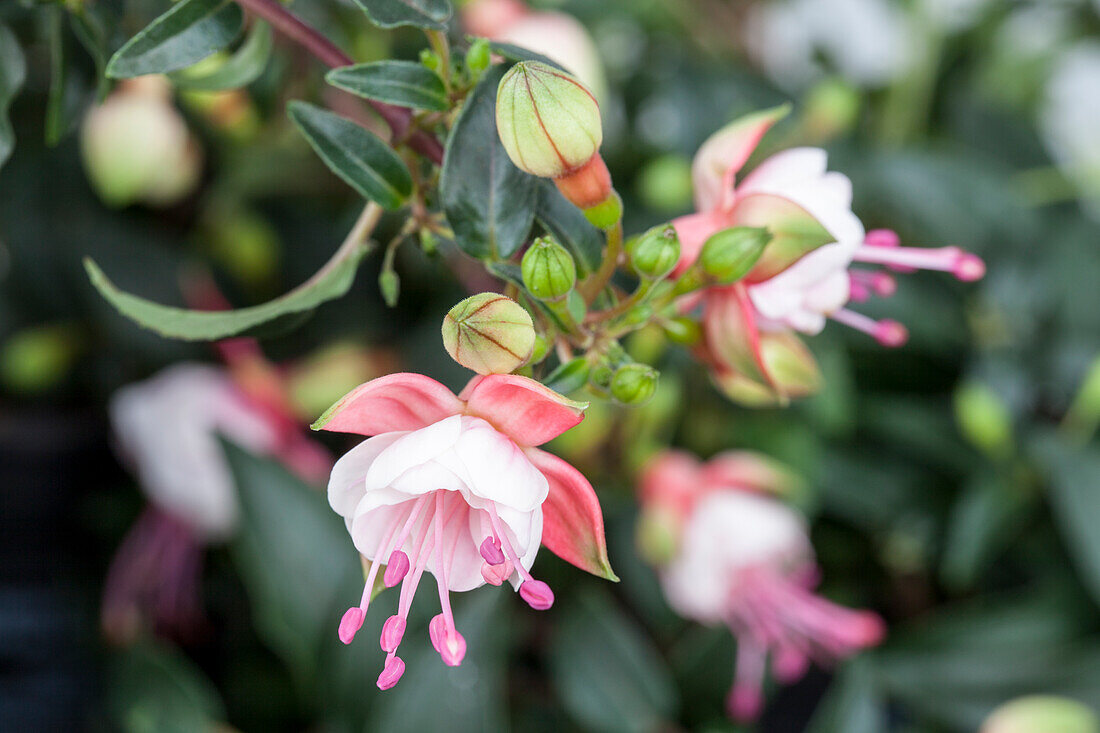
column 391, row 673
column 789, row 665
column 392, row 633
column 396, row 569
column 890, row 333
column 969, row 267
column 453, row 648
column 490, row 550
column 883, row 284
column 351, row 623
column 537, row 594
column 437, row 629
column 497, row 574
column 744, row 703
column 882, row 238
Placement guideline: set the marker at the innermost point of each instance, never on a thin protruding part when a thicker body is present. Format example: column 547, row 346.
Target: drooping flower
column 166, row 428
column 804, row 276
column 731, row 552
column 455, row 487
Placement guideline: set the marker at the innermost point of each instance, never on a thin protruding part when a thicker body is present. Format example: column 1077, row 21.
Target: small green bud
column 655, row 253
column 390, row 286
column 1042, row 714
column 683, row 331
column 548, row 121
column 430, row 59
column 984, row 419
column 548, row 269
column 36, row 359
column 634, row 384
column 428, row 242
column 729, row 254
column 601, row 375
column 489, row 333
column 478, row 58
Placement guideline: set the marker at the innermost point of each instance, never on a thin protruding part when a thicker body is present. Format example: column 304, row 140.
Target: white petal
column 498, row 470
column 347, row 484
column 413, row 449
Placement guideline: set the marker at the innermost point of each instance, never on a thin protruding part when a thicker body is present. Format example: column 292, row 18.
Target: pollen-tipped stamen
column 537, row 594
column 399, row 563
column 491, row 552
column 962, row 264
column 887, row 332
column 391, row 673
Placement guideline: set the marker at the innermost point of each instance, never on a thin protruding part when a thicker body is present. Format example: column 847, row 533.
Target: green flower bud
column 1042, row 714
column 390, row 286
column 984, row 419
column 430, row 59
column 489, row 333
column 729, row 255
column 547, row 120
column 478, row 57
column 683, row 331
column 634, row 384
column 548, row 269
column 655, row 253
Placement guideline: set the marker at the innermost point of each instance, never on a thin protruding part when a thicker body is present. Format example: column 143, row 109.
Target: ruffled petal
column 347, row 483
column 572, row 519
column 395, row 402
column 496, row 469
column 521, row 408
column 413, row 449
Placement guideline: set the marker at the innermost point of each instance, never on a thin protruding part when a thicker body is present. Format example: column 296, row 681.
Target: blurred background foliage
column 954, row 484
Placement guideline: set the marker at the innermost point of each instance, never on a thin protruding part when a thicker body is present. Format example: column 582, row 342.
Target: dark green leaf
column 364, row 162
column 1074, row 476
column 89, row 30
column 432, row 14
column 13, row 69
column 853, row 703
column 982, row 524
column 55, row 123
column 404, row 83
column 331, row 282
column 240, row 69
column 609, row 676
column 186, row 34
column 518, row 53
column 570, row 227
column 293, row 554
column 155, row 688
column 490, row 203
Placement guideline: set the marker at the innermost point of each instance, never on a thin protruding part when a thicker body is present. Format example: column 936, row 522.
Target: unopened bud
column 1042, row 714
column 655, row 253
column 478, row 57
column 390, row 286
column 729, row 254
column 984, row 419
column 683, row 330
column 548, row 269
column 634, row 384
column 548, row 121
column 489, row 333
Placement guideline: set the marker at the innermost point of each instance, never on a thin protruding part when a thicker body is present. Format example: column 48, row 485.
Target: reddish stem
column 328, row 53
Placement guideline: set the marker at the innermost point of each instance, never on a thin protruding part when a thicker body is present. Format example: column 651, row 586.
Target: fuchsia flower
column 166, row 428
column 804, row 276
column 740, row 557
column 454, row 486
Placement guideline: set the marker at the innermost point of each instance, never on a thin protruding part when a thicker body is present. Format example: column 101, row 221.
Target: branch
column 398, row 118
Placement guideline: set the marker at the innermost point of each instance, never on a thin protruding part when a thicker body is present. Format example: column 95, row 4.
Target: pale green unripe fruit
column 548, row 269
column 489, row 333
column 634, row 384
column 548, row 121
column 656, row 252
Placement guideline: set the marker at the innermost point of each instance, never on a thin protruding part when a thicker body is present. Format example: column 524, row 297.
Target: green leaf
column 489, row 203
column 13, row 70
column 983, row 523
column 853, row 704
column 55, row 123
column 189, row 32
column 1075, row 499
column 606, row 671
column 330, row 282
column 404, row 83
column 570, row 227
column 364, row 162
column 294, row 554
column 89, row 30
column 432, row 14
column 155, row 688
column 240, row 69
column 519, row 53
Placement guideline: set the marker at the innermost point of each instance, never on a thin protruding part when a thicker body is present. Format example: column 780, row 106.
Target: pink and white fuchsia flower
column 454, row 486
column 805, row 275
column 740, row 557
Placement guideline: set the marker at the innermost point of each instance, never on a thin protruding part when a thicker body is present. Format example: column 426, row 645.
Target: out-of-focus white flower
column 869, row 42
column 167, row 427
column 1070, row 118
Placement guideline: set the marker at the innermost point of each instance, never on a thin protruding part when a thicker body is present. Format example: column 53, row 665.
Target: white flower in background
column 1069, row 120
column 167, row 427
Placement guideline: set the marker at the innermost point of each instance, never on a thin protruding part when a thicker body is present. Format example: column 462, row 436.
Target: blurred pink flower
column 804, row 276
column 453, row 485
column 743, row 558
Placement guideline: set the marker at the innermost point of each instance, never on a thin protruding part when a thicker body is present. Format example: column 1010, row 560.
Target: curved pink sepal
column 724, row 154
column 401, row 401
column 572, row 521
column 521, row 408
